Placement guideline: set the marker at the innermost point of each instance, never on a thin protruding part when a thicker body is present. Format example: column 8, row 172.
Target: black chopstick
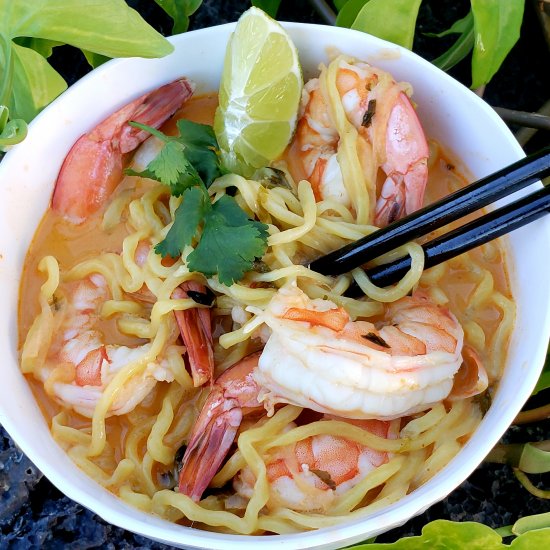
column 465, row 201
column 478, row 232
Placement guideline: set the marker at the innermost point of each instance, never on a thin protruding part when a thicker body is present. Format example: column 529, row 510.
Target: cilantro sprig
column 227, row 242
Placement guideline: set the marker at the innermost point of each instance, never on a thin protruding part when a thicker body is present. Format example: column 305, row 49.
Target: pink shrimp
column 386, row 123
column 93, row 167
column 397, row 367
column 307, row 475
column 196, row 331
column 194, row 323
column 232, row 396
column 89, row 363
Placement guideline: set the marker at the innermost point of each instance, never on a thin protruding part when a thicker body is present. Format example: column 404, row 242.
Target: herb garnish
column 228, row 241
column 375, row 339
column 369, row 113
column 325, row 478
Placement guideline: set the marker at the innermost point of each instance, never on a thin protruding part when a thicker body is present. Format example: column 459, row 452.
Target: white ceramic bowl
column 450, row 113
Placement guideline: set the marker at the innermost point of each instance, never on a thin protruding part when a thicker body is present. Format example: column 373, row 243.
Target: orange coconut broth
column 72, row 244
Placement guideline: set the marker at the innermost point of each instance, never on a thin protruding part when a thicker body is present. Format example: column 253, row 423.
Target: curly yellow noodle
column 349, row 231
column 424, row 422
column 291, row 273
column 230, row 339
column 134, row 281
column 403, row 287
column 113, row 213
column 360, row 186
column 110, row 308
column 137, row 500
column 307, row 202
column 337, row 428
column 181, row 426
column 134, row 368
column 156, row 447
column 499, row 342
column 474, row 334
column 351, row 499
column 40, row 334
column 248, row 189
column 398, row 485
column 146, row 466
column 65, row 435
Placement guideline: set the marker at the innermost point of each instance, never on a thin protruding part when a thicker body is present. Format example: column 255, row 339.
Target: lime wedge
column 260, row 92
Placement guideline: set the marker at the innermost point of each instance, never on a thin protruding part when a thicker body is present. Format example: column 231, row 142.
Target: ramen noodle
column 344, row 414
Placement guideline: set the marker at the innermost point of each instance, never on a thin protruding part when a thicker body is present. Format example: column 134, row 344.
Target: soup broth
column 135, row 455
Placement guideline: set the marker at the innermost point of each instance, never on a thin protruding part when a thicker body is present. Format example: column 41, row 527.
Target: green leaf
column 35, row 83
column 461, row 48
column 348, row 12
column 179, row 11
column 11, row 131
column 108, row 27
column 392, row 20
column 449, row 535
column 172, row 168
column 535, row 458
column 531, row 523
column 201, row 149
column 532, row 540
column 229, row 243
column 460, row 26
column 271, row 7
column 94, row 59
column 497, row 26
column 186, row 222
column 30, row 30
column 186, row 160
column 339, row 4
column 42, row 46
column 544, row 379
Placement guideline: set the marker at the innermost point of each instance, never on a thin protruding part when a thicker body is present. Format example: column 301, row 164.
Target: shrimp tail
column 209, row 444
column 93, row 167
column 196, row 331
column 233, row 395
column 406, row 165
column 471, row 379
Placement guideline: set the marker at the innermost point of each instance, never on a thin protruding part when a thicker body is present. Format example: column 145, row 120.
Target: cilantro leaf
column 229, row 243
column 186, row 222
column 200, row 149
column 171, row 167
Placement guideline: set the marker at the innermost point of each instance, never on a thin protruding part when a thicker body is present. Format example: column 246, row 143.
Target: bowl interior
column 450, row 113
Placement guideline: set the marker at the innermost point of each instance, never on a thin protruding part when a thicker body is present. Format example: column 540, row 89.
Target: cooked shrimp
column 387, row 125
column 93, row 167
column 233, row 395
column 356, row 369
column 90, row 363
column 306, row 476
column 196, row 332
column 194, row 324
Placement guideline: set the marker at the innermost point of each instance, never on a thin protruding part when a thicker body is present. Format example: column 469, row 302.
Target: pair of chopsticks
column 453, row 207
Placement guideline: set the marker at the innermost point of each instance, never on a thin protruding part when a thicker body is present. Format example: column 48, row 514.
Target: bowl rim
column 347, row 533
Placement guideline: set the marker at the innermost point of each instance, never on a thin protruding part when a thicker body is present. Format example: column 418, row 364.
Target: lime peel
column 260, row 93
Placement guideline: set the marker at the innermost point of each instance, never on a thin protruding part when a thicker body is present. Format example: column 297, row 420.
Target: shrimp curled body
column 89, row 364
column 353, row 369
